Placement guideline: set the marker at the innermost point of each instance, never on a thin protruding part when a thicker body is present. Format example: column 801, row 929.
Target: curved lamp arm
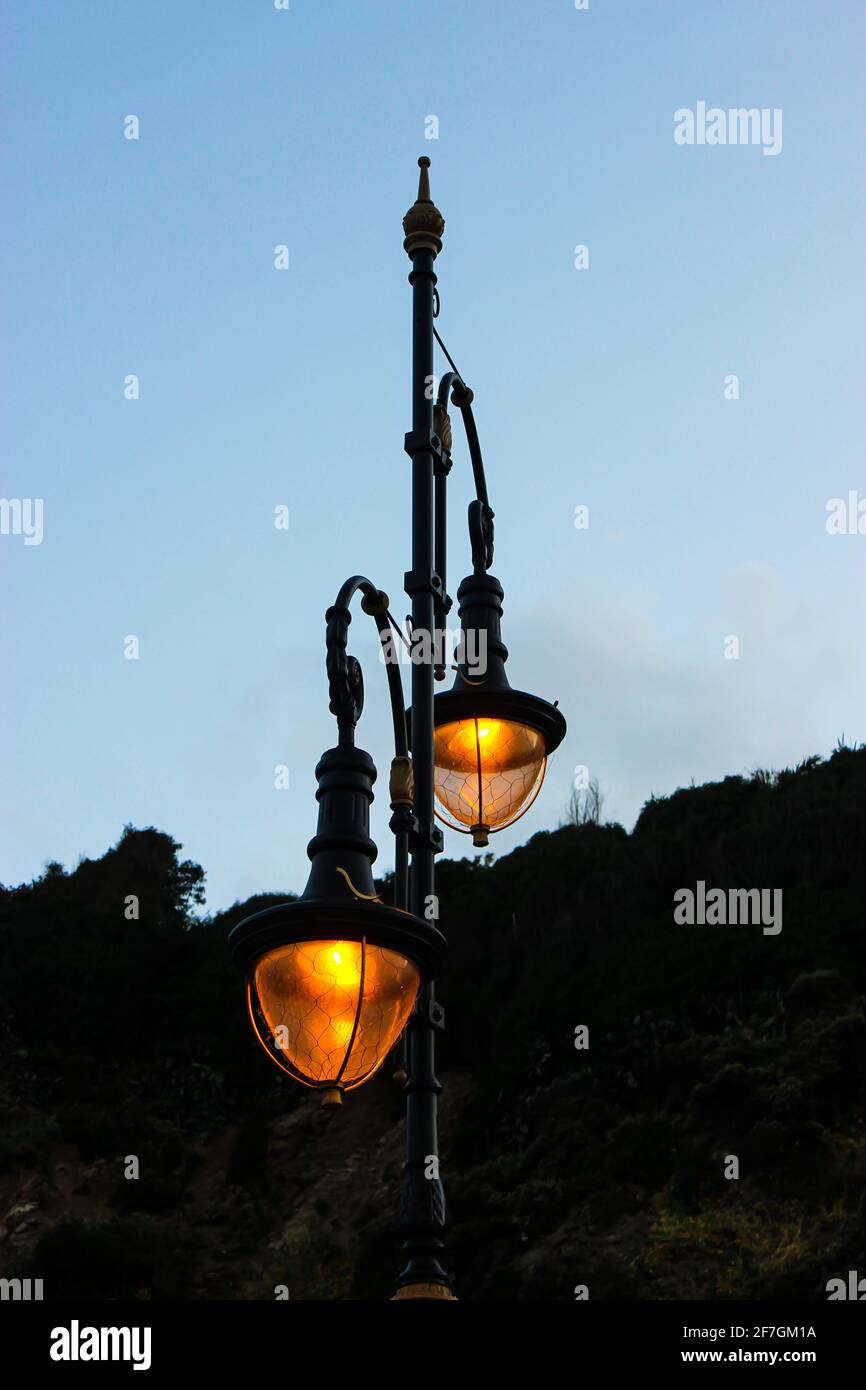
column 480, row 511
column 462, row 396
column 346, row 689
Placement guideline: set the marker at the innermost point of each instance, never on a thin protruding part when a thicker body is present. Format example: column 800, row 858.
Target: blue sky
column 601, row 387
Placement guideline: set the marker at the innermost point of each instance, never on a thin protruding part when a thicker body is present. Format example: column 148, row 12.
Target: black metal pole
column 422, row 1216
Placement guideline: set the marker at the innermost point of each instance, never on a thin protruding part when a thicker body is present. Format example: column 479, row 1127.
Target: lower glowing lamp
column 332, row 978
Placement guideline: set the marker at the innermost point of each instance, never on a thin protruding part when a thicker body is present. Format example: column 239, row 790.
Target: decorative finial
column 423, row 223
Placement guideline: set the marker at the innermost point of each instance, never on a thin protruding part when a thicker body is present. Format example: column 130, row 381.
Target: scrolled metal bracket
column 481, row 535
column 345, row 677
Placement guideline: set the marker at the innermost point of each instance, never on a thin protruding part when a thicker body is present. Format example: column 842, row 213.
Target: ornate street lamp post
column 336, row 977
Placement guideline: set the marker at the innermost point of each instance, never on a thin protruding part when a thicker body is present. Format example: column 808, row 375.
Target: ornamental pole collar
column 423, row 223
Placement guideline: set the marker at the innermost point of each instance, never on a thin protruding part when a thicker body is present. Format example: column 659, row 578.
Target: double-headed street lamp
column 334, row 978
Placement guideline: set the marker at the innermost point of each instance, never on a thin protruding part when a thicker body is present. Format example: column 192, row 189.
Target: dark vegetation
column 602, row 1167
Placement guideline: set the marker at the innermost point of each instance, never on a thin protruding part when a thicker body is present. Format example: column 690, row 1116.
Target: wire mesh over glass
column 330, row 1011
column 487, row 771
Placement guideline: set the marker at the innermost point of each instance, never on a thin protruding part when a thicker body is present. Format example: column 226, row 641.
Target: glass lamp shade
column 329, row 1012
column 331, row 982
column 487, row 772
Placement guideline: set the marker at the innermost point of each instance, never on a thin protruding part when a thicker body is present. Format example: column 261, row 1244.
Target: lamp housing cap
column 488, row 694
column 340, row 900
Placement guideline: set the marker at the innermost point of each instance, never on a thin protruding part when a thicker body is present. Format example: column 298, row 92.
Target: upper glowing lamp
column 491, row 743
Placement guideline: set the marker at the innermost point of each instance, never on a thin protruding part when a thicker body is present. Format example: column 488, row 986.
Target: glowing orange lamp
column 491, row 743
column 333, row 977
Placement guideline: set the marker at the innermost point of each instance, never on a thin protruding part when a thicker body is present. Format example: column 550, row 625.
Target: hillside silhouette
column 601, row 1166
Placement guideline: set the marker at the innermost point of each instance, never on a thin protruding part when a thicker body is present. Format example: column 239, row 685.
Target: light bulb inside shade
column 486, row 770
column 305, row 998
